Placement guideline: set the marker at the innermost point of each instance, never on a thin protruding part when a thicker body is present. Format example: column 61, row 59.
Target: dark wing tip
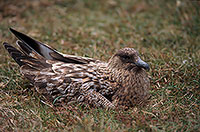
column 17, row 34
column 28, row 45
column 14, row 53
column 6, row 45
column 12, row 30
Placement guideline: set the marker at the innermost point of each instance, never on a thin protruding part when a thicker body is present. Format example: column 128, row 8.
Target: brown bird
column 121, row 82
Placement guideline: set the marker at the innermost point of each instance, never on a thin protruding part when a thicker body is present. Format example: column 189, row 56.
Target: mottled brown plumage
column 122, row 82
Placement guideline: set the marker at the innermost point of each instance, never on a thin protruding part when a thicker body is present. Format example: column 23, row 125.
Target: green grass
column 166, row 33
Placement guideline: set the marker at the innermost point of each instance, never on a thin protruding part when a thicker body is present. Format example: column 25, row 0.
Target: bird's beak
column 140, row 63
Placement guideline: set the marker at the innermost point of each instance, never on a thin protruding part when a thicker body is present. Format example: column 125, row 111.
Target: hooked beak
column 140, row 63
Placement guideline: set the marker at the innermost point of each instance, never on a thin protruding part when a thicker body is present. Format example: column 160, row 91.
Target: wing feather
column 29, row 45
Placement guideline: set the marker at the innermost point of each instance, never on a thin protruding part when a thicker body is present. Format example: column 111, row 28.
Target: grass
column 166, row 33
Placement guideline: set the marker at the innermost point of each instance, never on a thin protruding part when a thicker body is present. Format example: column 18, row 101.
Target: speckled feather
column 67, row 79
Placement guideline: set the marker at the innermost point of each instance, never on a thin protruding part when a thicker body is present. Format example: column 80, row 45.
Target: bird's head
column 127, row 58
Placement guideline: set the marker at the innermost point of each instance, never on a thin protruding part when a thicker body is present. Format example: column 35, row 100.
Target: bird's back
column 75, row 83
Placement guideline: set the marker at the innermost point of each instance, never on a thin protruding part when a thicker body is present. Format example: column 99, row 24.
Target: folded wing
column 28, row 45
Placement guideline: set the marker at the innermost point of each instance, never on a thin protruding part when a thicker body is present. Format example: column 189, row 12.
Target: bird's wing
column 28, row 45
column 68, row 83
column 59, row 81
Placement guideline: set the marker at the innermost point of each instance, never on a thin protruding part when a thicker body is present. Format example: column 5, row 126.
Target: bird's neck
column 123, row 76
column 134, row 86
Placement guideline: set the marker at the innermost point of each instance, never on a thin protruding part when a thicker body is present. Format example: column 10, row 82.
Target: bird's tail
column 35, row 61
column 17, row 55
column 30, row 66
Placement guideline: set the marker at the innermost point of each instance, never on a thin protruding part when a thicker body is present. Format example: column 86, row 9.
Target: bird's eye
column 126, row 57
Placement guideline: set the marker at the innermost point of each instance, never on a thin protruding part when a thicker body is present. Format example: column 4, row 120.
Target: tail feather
column 15, row 54
column 27, row 50
column 23, row 59
column 24, row 48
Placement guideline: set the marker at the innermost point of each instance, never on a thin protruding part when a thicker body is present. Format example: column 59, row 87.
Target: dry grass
column 167, row 34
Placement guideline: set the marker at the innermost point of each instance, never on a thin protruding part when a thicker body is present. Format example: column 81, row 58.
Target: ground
column 166, row 33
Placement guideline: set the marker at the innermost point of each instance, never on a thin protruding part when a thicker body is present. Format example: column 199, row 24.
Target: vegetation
column 166, row 33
